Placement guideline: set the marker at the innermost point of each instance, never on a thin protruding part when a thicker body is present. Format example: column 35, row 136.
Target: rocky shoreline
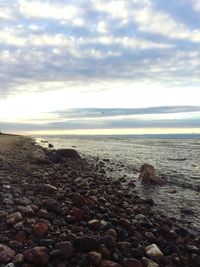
column 69, row 213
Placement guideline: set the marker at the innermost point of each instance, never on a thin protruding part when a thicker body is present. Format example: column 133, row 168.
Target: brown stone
column 6, row 254
column 148, row 175
column 66, row 249
column 40, row 230
column 37, row 256
column 94, row 258
column 110, row 264
column 131, row 262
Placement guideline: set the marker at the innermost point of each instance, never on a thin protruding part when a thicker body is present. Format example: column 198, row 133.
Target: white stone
column 153, row 251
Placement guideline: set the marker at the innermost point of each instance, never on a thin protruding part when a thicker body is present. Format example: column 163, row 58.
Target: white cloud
column 8, row 36
column 6, row 13
column 47, row 10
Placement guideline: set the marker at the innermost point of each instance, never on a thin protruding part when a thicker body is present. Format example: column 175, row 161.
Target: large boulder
column 148, row 175
column 68, row 153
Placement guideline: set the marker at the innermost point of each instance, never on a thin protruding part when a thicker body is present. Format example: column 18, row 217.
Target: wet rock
column 68, row 153
column 187, row 211
column 94, row 258
column 148, row 175
column 131, row 262
column 6, row 254
column 86, row 243
column 37, row 256
column 50, row 145
column 153, row 251
column 40, row 230
column 56, row 158
column 14, row 218
column 66, row 249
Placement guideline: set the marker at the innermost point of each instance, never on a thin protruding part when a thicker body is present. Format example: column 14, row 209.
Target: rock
column 8, row 201
column 109, row 241
column 153, row 251
column 86, row 243
column 77, row 199
column 150, row 263
column 68, row 153
column 104, row 251
column 6, row 254
column 148, row 175
column 40, row 230
column 50, row 145
column 110, row 264
column 14, row 218
column 48, row 188
column 52, row 205
column 10, row 265
column 37, row 256
column 94, row 258
column 56, row 158
column 66, row 249
column 77, row 213
column 18, row 259
column 21, row 236
column 131, row 262
column 94, row 224
column 187, row 211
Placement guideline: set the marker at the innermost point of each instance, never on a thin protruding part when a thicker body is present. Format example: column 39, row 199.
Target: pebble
column 40, row 230
column 37, row 256
column 66, row 249
column 153, row 251
column 14, row 218
column 6, row 254
column 110, row 264
column 131, row 262
column 94, row 258
column 150, row 263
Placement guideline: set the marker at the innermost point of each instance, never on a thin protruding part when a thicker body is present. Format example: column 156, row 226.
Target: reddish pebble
column 40, row 230
column 77, row 213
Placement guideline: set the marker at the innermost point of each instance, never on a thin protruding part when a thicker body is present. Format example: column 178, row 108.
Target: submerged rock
column 148, row 175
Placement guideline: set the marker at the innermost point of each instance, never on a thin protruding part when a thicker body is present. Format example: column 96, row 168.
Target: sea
column 176, row 158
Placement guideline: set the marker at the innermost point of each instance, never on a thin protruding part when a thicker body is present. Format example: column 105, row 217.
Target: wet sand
column 72, row 214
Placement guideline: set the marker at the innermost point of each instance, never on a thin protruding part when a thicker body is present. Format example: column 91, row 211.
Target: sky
column 100, row 66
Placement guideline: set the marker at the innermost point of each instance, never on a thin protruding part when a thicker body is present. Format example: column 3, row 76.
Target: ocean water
column 175, row 157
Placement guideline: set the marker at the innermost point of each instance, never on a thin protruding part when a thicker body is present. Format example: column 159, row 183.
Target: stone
column 6, row 254
column 66, row 249
column 21, row 236
column 48, row 188
column 104, row 251
column 94, row 224
column 110, row 264
column 52, row 205
column 68, row 153
column 18, row 259
column 148, row 175
column 86, row 243
column 77, row 200
column 153, row 251
column 77, row 213
column 40, row 230
column 109, row 241
column 150, row 263
column 10, row 265
column 56, row 158
column 131, row 262
column 94, row 258
column 14, row 218
column 37, row 256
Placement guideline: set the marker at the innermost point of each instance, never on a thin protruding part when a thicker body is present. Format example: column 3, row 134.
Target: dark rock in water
column 86, row 243
column 148, row 175
column 50, row 145
column 68, row 153
column 56, row 158
column 187, row 211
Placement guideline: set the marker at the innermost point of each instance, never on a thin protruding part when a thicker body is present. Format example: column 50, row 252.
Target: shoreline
column 72, row 214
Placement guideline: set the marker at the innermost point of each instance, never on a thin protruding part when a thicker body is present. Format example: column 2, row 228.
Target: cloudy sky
column 100, row 66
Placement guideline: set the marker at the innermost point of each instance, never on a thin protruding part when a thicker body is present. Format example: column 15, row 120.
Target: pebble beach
column 64, row 211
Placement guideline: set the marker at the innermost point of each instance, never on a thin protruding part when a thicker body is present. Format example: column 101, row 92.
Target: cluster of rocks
column 72, row 214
